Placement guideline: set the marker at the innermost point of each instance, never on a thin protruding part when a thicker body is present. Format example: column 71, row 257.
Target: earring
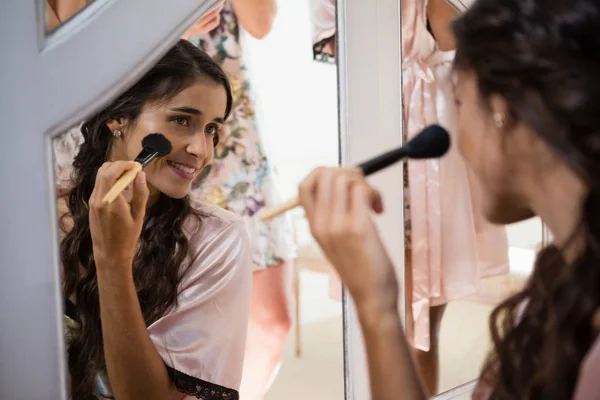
column 117, row 133
column 499, row 120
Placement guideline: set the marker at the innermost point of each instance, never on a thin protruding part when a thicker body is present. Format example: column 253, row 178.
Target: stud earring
column 117, row 133
column 499, row 120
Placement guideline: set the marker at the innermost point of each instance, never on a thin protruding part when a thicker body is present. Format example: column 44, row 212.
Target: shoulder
column 218, row 239
column 588, row 387
column 210, row 220
column 210, row 211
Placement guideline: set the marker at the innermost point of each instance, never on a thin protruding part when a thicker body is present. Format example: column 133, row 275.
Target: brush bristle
column 432, row 142
column 157, row 142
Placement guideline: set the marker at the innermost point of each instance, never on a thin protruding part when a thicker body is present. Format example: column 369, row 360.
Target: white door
column 369, row 71
column 48, row 84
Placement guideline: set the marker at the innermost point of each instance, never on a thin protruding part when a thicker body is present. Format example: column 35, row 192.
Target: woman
column 241, row 180
column 529, row 127
column 449, row 246
column 157, row 291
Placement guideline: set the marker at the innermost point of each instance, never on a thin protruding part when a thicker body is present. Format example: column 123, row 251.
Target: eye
column 212, row 129
column 183, row 121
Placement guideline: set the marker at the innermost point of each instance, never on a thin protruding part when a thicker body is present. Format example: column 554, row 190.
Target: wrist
column 114, row 269
column 373, row 308
column 377, row 320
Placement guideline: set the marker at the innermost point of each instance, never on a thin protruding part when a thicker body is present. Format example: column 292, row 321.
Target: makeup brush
column 154, row 145
column 431, row 142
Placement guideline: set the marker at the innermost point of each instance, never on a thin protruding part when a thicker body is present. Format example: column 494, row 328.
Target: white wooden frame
column 48, row 84
column 370, row 113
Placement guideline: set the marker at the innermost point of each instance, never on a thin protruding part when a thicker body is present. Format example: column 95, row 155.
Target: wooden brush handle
column 275, row 211
column 279, row 209
column 121, row 184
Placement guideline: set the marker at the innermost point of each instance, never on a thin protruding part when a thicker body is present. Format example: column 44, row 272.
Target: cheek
column 210, row 150
column 477, row 147
column 468, row 137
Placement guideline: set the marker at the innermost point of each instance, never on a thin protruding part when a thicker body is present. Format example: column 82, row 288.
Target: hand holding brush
column 154, row 145
column 432, row 142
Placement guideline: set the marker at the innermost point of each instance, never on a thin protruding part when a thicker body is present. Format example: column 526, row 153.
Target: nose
column 197, row 146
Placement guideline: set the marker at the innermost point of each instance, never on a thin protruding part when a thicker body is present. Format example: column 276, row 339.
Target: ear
column 116, row 124
column 500, row 108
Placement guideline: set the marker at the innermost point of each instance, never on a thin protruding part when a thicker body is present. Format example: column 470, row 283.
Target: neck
column 558, row 201
column 153, row 196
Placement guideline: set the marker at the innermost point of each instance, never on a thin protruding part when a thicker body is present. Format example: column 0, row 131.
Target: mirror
column 457, row 266
column 296, row 103
column 57, row 12
column 264, row 149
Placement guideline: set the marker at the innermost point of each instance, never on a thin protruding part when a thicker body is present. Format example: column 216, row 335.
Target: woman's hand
column 339, row 204
column 116, row 227
column 207, row 23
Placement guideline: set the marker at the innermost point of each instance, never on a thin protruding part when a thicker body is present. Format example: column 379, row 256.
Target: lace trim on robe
column 200, row 389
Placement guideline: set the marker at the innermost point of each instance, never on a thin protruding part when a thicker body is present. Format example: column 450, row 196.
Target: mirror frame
column 370, row 122
column 46, row 89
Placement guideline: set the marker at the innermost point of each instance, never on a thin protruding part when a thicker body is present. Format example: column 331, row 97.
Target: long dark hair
column 543, row 57
column 162, row 245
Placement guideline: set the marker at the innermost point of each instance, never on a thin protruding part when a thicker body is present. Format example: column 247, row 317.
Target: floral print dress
column 240, row 178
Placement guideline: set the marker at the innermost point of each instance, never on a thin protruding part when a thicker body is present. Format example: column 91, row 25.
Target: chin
column 506, row 212
column 175, row 192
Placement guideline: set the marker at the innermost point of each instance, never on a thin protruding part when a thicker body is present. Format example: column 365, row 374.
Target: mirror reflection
column 179, row 262
column 60, row 11
column 458, row 266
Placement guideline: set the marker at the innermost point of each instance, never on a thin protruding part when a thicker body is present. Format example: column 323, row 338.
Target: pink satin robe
column 203, row 338
column 205, row 335
column 453, row 247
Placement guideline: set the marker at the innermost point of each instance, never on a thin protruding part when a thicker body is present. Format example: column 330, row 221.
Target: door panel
column 48, row 84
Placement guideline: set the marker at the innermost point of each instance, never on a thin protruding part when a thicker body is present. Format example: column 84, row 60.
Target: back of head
column 543, row 57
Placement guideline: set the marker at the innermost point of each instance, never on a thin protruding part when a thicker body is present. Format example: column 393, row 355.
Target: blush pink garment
column 322, row 13
column 588, row 385
column 204, row 337
column 453, row 247
column 202, row 340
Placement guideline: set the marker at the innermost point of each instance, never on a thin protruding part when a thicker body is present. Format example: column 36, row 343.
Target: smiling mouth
column 181, row 167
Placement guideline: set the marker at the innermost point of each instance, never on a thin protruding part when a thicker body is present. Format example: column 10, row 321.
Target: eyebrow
column 194, row 111
column 187, row 110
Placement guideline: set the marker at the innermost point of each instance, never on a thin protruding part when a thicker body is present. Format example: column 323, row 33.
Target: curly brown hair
column 543, row 57
column 163, row 245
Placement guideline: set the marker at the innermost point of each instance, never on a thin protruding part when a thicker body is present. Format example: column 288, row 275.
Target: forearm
column 135, row 369
column 392, row 370
column 441, row 15
column 256, row 16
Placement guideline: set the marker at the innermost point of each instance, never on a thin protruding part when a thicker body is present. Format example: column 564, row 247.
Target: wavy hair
column 163, row 245
column 543, row 57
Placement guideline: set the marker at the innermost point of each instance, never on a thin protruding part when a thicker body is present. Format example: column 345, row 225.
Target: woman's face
column 497, row 154
column 190, row 121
